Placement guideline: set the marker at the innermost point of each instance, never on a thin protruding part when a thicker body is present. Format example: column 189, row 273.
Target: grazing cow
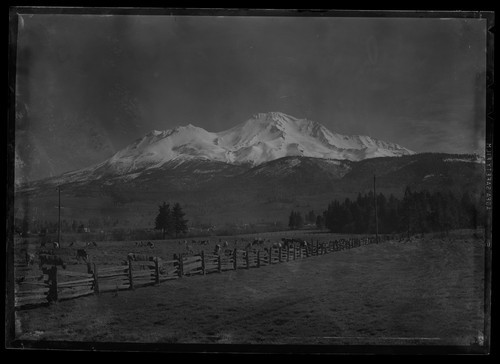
column 82, row 254
column 287, row 243
column 188, row 247
column 277, row 244
column 29, row 258
column 217, row 249
column 258, row 241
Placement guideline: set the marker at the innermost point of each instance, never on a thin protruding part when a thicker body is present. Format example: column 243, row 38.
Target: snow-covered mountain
column 263, row 138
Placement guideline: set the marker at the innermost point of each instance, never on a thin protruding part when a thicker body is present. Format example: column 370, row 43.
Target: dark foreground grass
column 426, row 291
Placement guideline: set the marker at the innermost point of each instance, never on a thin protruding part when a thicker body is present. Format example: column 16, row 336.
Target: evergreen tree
column 417, row 212
column 163, row 220
column 291, row 220
column 311, row 217
column 295, row 220
column 179, row 223
column 407, row 210
column 320, row 222
column 299, row 221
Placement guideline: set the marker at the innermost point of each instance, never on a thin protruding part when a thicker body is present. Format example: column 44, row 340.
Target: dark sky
column 89, row 85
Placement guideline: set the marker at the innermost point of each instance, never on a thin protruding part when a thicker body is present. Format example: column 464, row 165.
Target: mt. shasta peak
column 263, row 138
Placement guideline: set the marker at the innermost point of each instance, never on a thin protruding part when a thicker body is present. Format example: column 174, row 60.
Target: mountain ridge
column 262, row 138
column 220, row 192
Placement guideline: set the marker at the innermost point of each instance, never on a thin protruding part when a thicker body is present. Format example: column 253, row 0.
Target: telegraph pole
column 375, row 203
column 59, row 229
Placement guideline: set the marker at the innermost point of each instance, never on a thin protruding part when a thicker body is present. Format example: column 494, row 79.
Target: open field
column 425, row 291
column 115, row 252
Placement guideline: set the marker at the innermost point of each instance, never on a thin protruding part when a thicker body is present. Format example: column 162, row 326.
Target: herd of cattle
column 30, row 258
column 259, row 244
column 220, row 247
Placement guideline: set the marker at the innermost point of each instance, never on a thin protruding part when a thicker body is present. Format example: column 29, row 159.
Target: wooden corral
column 53, row 282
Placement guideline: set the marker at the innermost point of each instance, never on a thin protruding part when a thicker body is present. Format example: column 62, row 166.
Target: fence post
column 219, row 264
column 247, row 258
column 287, row 253
column 130, row 275
column 279, row 254
column 157, row 271
column 96, row 280
column 270, row 255
column 258, row 258
column 89, row 268
column 181, row 266
column 203, row 262
column 235, row 256
column 52, row 294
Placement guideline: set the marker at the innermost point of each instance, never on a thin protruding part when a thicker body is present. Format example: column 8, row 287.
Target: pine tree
column 295, row 220
column 291, row 220
column 407, row 208
column 320, row 222
column 179, row 223
column 163, row 220
column 299, row 221
column 311, row 217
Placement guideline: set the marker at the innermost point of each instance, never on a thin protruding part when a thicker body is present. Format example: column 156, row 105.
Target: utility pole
column 59, row 229
column 375, row 203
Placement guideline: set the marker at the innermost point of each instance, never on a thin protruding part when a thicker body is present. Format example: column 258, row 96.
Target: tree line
column 171, row 221
column 415, row 212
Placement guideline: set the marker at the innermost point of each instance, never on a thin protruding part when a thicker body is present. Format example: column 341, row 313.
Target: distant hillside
column 219, row 193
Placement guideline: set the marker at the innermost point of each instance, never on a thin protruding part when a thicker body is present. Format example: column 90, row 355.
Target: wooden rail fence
column 51, row 284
